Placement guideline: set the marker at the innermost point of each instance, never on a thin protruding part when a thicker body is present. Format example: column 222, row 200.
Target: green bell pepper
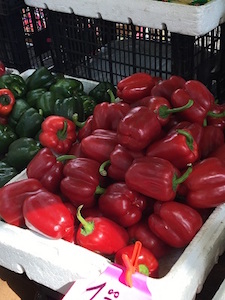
column 15, row 83
column 21, row 152
column 46, row 103
column 68, row 107
column 100, row 92
column 19, row 108
column 88, row 105
column 40, row 78
column 7, row 172
column 29, row 123
column 33, row 95
column 65, row 87
column 7, row 136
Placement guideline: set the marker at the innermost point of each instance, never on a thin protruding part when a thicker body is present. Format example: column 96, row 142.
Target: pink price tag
column 110, row 285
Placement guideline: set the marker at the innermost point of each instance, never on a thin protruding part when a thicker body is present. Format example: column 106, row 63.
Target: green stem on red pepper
column 189, row 138
column 177, row 181
column 102, row 169
column 87, row 227
column 164, row 111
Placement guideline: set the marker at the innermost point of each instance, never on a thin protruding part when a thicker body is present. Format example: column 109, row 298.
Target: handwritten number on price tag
column 99, row 288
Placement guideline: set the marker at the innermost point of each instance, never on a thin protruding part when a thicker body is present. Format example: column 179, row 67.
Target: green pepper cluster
column 42, row 94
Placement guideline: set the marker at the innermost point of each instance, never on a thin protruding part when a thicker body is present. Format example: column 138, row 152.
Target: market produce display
column 146, row 165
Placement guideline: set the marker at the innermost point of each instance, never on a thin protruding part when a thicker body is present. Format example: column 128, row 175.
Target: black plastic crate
column 9, row 6
column 24, row 39
column 103, row 50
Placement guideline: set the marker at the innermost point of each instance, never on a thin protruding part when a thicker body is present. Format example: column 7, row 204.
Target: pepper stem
column 216, row 115
column 112, row 97
column 87, row 227
column 164, row 111
column 102, row 169
column 62, row 133
column 65, row 157
column 78, row 123
column 189, row 138
column 177, row 181
column 99, row 190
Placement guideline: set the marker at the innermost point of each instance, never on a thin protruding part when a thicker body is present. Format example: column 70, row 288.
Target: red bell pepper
column 212, row 138
column 99, row 144
column 135, row 87
column 162, row 107
column 81, row 181
column 46, row 213
column 120, row 160
column 107, row 115
column 219, row 153
column 138, row 128
column 2, row 68
column 12, row 197
column 47, row 168
column 175, row 223
column 101, row 235
column 216, row 116
column 166, row 87
column 121, row 204
column 3, row 120
column 84, row 128
column 58, row 134
column 147, row 264
column 155, row 177
column 7, row 101
column 141, row 232
column 205, row 185
column 76, row 149
column 202, row 97
column 179, row 148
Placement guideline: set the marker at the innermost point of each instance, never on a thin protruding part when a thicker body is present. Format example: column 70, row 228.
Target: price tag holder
column 111, row 285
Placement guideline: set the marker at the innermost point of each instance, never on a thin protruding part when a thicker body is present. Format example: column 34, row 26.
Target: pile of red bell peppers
column 148, row 166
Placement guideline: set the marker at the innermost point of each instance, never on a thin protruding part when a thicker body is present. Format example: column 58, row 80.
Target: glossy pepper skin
column 120, row 160
column 205, row 186
column 202, row 97
column 15, row 83
column 108, row 115
column 175, row 223
column 179, row 148
column 47, row 168
column 101, row 235
column 99, row 144
column 216, row 116
column 84, row 128
column 7, row 172
column 45, row 103
column 7, row 101
column 58, row 134
column 67, row 107
column 212, row 138
column 138, row 128
column 34, row 95
column 81, row 181
column 40, row 78
column 7, row 136
column 100, row 92
column 147, row 263
column 135, row 87
column 160, row 177
column 29, row 123
column 12, row 197
column 65, row 87
column 165, row 88
column 141, row 232
column 18, row 110
column 121, row 204
column 21, row 152
column 46, row 213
